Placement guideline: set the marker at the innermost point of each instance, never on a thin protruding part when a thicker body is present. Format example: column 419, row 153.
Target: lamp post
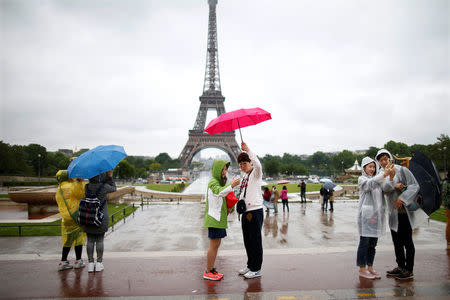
column 342, row 165
column 39, row 169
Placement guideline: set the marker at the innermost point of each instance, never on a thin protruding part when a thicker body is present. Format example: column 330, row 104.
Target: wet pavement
column 308, row 254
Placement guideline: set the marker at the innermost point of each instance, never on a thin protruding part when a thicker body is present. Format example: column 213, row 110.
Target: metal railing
column 19, row 226
column 123, row 211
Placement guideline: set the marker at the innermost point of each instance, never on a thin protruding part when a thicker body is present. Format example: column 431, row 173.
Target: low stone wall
column 42, row 201
column 169, row 197
column 347, row 190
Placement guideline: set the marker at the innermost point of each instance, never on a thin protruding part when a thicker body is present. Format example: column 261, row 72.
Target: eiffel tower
column 211, row 99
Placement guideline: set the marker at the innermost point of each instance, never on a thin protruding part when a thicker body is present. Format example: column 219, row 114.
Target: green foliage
column 344, row 159
column 124, row 170
column 438, row 215
column 154, row 167
column 81, row 151
column 176, row 188
column 372, row 152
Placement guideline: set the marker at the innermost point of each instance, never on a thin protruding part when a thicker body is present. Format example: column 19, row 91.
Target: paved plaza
column 160, row 252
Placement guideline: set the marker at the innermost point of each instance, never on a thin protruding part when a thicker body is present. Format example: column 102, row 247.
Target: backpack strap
column 67, row 206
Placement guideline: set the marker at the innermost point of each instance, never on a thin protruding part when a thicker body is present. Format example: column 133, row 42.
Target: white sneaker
column 99, row 267
column 91, row 267
column 243, row 271
column 251, row 274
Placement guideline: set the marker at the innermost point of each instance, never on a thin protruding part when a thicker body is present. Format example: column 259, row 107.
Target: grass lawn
column 164, row 187
column 438, row 215
column 56, row 230
column 4, row 196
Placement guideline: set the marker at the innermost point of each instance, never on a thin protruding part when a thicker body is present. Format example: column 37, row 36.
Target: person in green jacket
column 216, row 213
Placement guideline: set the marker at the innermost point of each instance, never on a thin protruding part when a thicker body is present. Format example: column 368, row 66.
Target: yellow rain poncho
column 72, row 234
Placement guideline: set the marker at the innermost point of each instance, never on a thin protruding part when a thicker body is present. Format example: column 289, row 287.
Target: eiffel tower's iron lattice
column 211, row 99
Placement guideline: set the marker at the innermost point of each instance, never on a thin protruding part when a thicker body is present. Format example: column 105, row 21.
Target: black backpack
column 90, row 210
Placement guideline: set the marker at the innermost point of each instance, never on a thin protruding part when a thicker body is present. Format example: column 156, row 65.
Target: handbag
column 231, row 199
column 241, row 207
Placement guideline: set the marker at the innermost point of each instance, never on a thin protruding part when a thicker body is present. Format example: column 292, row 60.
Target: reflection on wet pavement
column 172, row 227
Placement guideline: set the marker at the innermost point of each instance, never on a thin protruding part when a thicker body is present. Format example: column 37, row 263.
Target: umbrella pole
column 239, row 130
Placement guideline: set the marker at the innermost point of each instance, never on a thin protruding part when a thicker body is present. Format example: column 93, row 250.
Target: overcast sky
column 334, row 74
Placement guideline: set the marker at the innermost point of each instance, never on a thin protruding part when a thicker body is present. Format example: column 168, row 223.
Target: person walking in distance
column 284, row 198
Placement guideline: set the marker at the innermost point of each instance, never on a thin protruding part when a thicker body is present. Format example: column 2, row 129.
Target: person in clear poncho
column 371, row 215
column 400, row 193
column 68, row 196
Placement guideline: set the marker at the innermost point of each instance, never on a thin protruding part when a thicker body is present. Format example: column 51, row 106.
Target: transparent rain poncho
column 72, row 234
column 372, row 208
column 410, row 194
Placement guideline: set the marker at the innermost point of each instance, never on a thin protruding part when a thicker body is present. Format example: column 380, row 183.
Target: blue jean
column 366, row 251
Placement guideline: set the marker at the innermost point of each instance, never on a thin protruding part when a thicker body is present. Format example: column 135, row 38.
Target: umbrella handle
column 239, row 130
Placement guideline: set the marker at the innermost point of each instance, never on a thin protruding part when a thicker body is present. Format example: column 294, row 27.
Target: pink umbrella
column 237, row 119
column 283, row 181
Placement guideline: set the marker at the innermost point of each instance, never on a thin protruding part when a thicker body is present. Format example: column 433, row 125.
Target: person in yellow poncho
column 68, row 196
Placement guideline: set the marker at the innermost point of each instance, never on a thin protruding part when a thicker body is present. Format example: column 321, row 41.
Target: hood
column 381, row 151
column 367, row 160
column 62, row 175
column 217, row 168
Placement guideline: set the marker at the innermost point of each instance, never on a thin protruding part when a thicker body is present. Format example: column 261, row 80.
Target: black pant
column 252, row 222
column 303, row 197
column 403, row 242
column 331, row 205
column 66, row 250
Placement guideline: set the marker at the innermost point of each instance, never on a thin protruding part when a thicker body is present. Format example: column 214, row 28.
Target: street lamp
column 39, row 168
column 342, row 165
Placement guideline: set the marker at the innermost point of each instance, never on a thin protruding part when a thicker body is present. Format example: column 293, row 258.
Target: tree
column 397, row 148
column 81, row 151
column 124, row 170
column 319, row 159
column 272, row 167
column 154, row 167
column 343, row 159
column 372, row 152
column 36, row 156
column 162, row 158
column 141, row 172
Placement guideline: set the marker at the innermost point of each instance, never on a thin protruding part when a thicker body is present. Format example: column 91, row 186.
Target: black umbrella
column 426, row 174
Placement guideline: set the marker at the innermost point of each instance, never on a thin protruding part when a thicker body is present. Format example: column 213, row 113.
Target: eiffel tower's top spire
column 211, row 86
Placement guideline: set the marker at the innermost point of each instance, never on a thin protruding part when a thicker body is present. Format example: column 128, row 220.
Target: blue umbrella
column 96, row 161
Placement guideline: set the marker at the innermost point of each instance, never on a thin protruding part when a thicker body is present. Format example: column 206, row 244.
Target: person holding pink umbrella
column 252, row 218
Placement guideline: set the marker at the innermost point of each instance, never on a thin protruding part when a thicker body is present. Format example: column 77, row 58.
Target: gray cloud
column 334, row 74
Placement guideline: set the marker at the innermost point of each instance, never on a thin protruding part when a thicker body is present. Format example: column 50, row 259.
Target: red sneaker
column 211, row 276
column 213, row 270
